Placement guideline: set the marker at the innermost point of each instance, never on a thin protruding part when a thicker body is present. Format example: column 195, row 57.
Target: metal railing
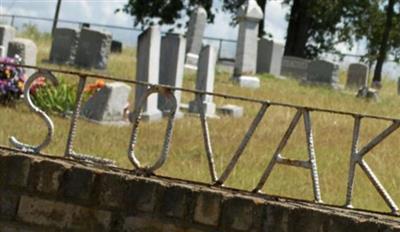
column 226, row 47
column 357, row 153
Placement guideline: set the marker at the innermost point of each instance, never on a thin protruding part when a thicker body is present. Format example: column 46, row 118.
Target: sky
column 103, row 12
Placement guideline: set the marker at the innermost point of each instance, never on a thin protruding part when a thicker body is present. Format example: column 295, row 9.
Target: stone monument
column 323, row 72
column 64, row 46
column 147, row 70
column 357, row 75
column 294, row 67
column 269, row 57
column 205, row 81
column 249, row 16
column 194, row 36
column 26, row 49
column 93, row 48
column 7, row 33
column 107, row 104
column 172, row 63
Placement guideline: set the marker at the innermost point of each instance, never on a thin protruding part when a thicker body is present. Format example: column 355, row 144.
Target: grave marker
column 7, row 34
column 64, row 46
column 26, row 49
column 147, row 70
column 172, row 63
column 205, row 81
column 357, row 76
column 246, row 51
column 294, row 67
column 269, row 57
column 194, row 36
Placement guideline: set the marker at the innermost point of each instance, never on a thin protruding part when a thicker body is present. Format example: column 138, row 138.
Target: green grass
column 187, row 158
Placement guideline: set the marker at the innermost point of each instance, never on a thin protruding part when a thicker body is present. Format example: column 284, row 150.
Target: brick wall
column 49, row 194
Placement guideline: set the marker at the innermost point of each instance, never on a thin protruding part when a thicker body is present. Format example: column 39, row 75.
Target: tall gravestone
column 357, row 75
column 7, row 33
column 323, row 72
column 172, row 61
column 269, row 57
column 294, row 67
column 64, row 46
column 398, row 86
column 26, row 49
column 194, row 36
column 93, row 48
column 147, row 70
column 249, row 16
column 205, row 81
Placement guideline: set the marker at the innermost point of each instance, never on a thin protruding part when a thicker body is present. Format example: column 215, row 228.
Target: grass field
column 187, row 158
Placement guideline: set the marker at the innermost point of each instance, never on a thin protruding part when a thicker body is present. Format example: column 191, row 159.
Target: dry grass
column 187, row 158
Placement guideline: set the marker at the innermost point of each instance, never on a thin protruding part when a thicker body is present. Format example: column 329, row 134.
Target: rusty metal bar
column 312, row 157
column 379, row 187
column 294, row 163
column 353, row 161
column 69, row 150
column 207, row 141
column 279, row 149
column 243, row 144
column 253, row 100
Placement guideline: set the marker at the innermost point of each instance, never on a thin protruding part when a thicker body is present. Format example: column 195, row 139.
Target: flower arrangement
column 12, row 81
column 92, row 88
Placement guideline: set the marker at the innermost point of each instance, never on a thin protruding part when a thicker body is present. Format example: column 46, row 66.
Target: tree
column 378, row 22
column 233, row 6
column 315, row 27
column 163, row 12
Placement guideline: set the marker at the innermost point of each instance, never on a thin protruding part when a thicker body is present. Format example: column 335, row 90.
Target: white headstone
column 249, row 16
column 107, row 105
column 194, row 36
column 26, row 49
column 93, row 48
column 147, row 70
column 294, row 67
column 357, row 75
column 64, row 46
column 233, row 111
column 323, row 72
column 269, row 57
column 7, row 33
column 172, row 63
column 205, row 81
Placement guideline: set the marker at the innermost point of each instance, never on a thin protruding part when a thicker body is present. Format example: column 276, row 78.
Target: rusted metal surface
column 356, row 154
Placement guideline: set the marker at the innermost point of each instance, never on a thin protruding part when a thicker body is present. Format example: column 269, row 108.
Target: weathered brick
column 276, row 218
column 143, row 194
column 208, row 208
column 112, row 190
column 46, row 176
column 239, row 213
column 62, row 215
column 78, row 183
column 176, row 200
column 16, row 170
column 134, row 224
column 8, row 204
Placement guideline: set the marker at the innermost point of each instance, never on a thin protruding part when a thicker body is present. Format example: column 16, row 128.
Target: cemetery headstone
column 26, row 49
column 233, row 111
column 205, row 81
column 93, row 48
column 323, row 72
column 2, row 51
column 398, row 86
column 294, row 67
column 249, row 16
column 357, row 76
column 107, row 104
column 64, row 46
column 269, row 57
column 194, row 36
column 116, row 46
column 147, row 70
column 172, row 61
column 7, row 33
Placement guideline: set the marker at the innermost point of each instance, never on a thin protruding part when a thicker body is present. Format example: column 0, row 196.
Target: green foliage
column 163, row 12
column 56, row 99
column 31, row 31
